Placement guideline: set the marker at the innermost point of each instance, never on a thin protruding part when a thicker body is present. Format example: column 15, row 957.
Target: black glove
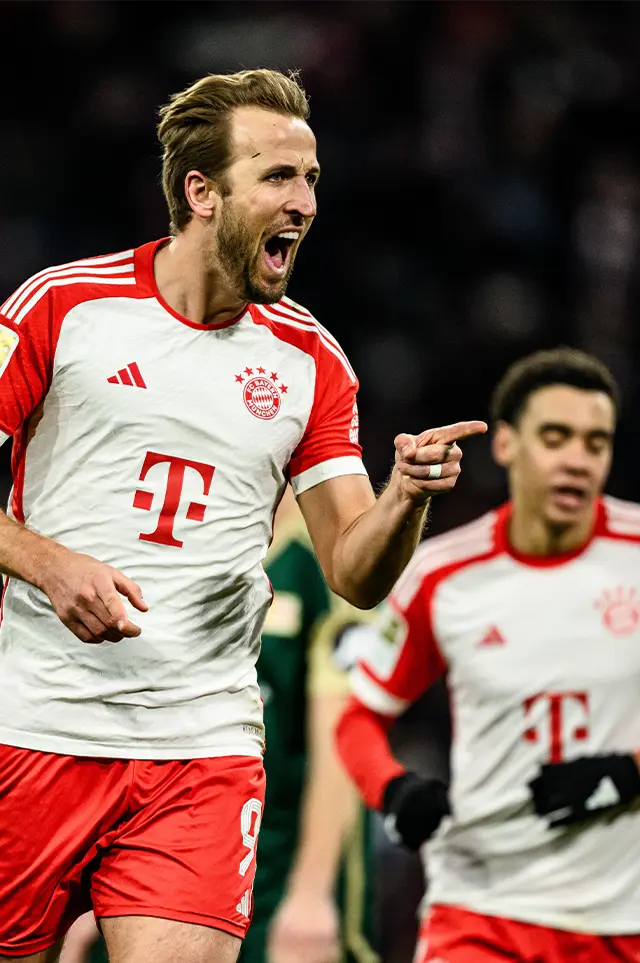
column 570, row 792
column 413, row 809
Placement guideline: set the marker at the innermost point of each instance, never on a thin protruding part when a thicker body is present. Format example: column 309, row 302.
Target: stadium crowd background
column 479, row 197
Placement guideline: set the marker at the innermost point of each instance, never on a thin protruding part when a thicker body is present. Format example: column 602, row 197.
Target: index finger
column 114, row 605
column 449, row 434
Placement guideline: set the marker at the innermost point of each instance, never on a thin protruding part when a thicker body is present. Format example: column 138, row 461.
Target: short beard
column 237, row 257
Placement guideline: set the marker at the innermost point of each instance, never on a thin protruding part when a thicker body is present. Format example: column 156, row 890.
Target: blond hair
column 195, row 126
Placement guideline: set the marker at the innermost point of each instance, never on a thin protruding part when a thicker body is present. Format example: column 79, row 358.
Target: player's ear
column 201, row 194
column 503, row 444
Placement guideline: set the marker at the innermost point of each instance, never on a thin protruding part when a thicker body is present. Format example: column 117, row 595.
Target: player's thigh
column 140, row 939
column 45, row 956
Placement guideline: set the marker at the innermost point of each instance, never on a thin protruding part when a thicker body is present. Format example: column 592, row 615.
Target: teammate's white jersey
column 543, row 660
column 160, row 447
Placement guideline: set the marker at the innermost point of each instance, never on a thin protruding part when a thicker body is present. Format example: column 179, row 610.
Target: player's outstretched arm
column 86, row 594
column 363, row 544
column 412, row 805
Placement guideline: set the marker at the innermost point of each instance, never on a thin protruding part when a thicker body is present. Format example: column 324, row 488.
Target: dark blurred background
column 479, row 197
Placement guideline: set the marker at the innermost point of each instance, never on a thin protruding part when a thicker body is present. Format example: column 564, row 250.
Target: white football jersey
column 543, row 662
column 161, row 447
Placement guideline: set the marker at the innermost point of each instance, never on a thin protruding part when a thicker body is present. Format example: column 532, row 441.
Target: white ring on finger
column 435, row 471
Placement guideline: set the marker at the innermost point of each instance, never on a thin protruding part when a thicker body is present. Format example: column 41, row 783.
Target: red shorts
column 130, row 838
column 453, row 935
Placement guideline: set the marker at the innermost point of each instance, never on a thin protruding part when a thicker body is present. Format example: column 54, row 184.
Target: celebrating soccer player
column 159, row 399
column 534, row 612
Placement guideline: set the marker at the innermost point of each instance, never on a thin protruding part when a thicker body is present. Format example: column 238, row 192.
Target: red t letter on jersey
column 163, row 533
column 557, row 702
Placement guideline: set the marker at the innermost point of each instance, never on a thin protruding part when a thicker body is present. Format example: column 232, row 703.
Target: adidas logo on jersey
column 493, row 637
column 244, row 906
column 128, row 376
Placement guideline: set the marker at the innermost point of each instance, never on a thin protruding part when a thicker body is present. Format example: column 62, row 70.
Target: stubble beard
column 240, row 261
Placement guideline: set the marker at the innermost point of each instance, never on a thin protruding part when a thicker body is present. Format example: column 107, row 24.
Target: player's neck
column 190, row 286
column 529, row 534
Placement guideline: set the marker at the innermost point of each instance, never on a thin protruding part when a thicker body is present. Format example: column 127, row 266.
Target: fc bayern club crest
column 262, row 391
column 620, row 610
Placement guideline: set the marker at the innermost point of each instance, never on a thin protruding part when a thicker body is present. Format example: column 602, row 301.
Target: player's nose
column 302, row 199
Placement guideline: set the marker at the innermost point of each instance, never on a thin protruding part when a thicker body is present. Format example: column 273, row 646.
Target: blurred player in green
column 311, row 894
column 312, row 899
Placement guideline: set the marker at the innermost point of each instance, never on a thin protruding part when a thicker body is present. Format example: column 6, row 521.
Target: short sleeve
column 329, row 446
column 26, row 364
column 400, row 659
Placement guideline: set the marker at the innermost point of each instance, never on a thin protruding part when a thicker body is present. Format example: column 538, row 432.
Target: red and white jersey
column 160, row 447
column 543, row 662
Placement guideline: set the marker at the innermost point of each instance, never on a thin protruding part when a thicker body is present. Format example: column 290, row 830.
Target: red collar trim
column 544, row 561
column 144, row 257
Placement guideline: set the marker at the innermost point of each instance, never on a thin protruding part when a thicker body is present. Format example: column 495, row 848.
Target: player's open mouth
column 569, row 496
column 277, row 251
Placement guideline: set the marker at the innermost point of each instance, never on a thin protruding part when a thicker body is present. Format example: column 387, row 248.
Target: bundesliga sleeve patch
column 8, row 344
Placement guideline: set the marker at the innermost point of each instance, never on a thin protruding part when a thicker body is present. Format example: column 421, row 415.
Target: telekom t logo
column 163, row 533
column 560, row 706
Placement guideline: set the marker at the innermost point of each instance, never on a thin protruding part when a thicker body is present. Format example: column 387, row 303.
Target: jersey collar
column 146, row 283
column 544, row 561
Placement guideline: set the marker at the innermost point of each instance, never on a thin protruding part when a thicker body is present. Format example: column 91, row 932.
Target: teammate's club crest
column 262, row 391
column 620, row 610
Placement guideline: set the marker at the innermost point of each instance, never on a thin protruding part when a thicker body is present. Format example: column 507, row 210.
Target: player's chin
column 266, row 290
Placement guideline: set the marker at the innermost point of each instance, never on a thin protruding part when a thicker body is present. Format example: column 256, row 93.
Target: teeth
column 289, row 235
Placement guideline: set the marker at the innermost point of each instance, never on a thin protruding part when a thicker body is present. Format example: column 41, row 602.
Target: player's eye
column 597, row 445
column 312, row 179
column 276, row 176
column 554, row 437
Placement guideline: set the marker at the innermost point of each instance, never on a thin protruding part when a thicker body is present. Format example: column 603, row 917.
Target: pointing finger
column 452, row 433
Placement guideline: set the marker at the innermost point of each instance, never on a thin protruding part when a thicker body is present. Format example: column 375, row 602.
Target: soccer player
column 534, row 612
column 159, row 399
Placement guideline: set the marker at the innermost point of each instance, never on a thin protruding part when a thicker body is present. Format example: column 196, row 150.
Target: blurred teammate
column 158, row 399
column 534, row 612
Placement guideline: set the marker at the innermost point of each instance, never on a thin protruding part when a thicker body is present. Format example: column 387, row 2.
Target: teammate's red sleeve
column 329, row 446
column 363, row 747
column 26, row 363
column 400, row 661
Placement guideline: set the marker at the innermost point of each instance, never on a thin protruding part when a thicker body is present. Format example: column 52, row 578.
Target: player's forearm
column 23, row 553
column 372, row 554
column 328, row 805
column 363, row 746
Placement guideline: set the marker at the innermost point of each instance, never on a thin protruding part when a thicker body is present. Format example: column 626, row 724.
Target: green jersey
column 297, row 658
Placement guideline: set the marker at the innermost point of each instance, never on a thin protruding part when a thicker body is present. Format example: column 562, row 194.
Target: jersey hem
column 558, row 921
column 88, row 750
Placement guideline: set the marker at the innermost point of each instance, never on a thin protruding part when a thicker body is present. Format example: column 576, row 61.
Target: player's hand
column 87, row 596
column 414, row 808
column 570, row 792
column 305, row 929
column 429, row 463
